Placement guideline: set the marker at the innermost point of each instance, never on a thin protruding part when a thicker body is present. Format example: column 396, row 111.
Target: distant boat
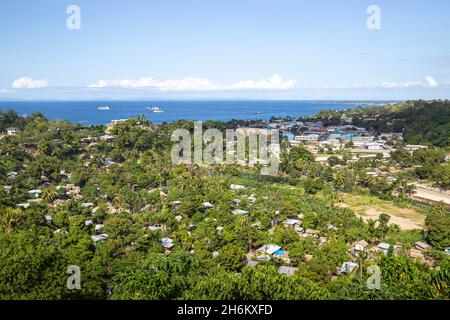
column 257, row 112
column 155, row 109
column 103, row 108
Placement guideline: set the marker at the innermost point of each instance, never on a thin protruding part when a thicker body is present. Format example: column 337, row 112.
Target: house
column 360, row 245
column 156, row 226
column 384, row 246
column 23, row 205
column 291, row 223
column 87, row 205
column 422, row 246
column 252, row 263
column 287, row 271
column 88, row 222
column 98, row 227
column 107, row 138
column 447, row 250
column 116, row 122
column 219, row 229
column 414, row 147
column 99, row 238
column 348, row 267
column 236, row 201
column 35, row 192
column 263, row 257
column 48, row 218
column 239, row 212
column 269, row 248
column 416, row 254
column 307, row 138
column 312, row 233
column 12, row 131
column 374, row 146
column 207, row 205
column 167, row 244
column 236, row 187
column 7, row 188
column 12, row 175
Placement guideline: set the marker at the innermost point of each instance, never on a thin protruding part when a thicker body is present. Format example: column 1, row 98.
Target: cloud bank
column 429, row 82
column 275, row 82
column 28, row 83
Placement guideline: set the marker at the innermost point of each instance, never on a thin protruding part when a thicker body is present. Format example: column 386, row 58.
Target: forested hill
column 422, row 122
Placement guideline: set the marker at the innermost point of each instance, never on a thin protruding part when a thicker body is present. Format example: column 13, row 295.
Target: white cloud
column 431, row 82
column 28, row 83
column 275, row 82
column 187, row 84
column 392, row 85
column 127, row 83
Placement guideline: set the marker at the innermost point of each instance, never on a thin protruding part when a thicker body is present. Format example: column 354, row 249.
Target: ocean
column 85, row 112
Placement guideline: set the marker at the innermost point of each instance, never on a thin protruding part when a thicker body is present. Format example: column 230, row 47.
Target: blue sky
column 268, row 49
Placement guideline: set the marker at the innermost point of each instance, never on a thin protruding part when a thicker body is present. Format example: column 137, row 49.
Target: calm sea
column 86, row 112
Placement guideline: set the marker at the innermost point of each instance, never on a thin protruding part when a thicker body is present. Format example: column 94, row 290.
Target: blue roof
column 279, row 252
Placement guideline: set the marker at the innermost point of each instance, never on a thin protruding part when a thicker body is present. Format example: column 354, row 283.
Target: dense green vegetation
column 128, row 184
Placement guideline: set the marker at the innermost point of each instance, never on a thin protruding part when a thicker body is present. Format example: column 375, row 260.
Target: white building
column 12, row 131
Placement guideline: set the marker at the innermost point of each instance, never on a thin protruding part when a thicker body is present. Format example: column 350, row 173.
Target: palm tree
column 8, row 219
column 49, row 194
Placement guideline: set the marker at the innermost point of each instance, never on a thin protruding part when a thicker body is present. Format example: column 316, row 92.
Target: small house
column 348, row 267
column 287, row 271
column 236, row 201
column 252, row 263
column 36, row 193
column 269, row 248
column 99, row 238
column 23, row 205
column 290, row 223
column 12, row 175
column 360, row 245
column 87, row 205
column 12, row 131
column 239, row 212
column 422, row 246
column 167, row 244
column 207, row 205
column 236, row 187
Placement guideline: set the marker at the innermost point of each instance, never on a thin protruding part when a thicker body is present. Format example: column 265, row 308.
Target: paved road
column 432, row 195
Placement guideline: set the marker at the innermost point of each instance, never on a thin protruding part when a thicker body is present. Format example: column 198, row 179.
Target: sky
column 214, row 49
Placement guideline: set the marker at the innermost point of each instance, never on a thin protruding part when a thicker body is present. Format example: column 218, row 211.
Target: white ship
column 155, row 109
column 103, row 108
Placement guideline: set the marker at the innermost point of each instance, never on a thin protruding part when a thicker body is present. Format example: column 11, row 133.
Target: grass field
column 407, row 217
